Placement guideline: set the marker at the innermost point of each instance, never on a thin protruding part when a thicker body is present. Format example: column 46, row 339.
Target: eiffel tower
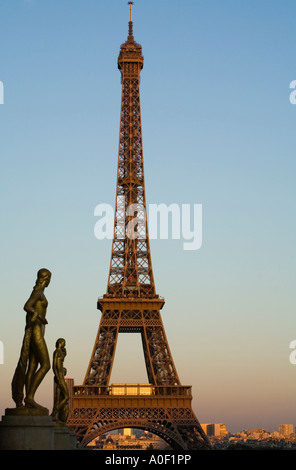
column 163, row 405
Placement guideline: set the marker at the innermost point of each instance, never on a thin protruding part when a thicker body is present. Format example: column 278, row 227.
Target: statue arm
column 30, row 308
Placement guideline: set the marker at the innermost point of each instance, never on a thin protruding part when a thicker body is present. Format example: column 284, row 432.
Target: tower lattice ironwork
column 163, row 406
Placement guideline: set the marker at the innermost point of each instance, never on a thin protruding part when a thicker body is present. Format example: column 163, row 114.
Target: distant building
column 205, row 427
column 285, row 429
column 126, row 439
column 215, row 429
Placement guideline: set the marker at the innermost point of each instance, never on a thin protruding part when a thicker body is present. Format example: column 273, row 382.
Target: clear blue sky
column 218, row 130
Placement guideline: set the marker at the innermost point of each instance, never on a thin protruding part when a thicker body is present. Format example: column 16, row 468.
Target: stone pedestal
column 32, row 429
column 64, row 438
column 26, row 431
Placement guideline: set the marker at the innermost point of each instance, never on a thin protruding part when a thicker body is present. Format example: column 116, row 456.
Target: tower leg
column 100, row 366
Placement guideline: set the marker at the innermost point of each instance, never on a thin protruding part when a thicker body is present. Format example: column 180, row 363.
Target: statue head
column 60, row 343
column 43, row 277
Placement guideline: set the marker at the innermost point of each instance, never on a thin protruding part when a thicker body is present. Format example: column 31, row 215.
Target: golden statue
column 34, row 351
column 60, row 410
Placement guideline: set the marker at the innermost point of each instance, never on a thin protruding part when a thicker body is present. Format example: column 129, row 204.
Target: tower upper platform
column 130, row 59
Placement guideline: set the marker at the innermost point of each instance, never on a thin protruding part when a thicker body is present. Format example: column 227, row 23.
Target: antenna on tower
column 130, row 25
column 130, row 9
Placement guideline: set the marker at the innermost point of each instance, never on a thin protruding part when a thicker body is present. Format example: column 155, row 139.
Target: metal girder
column 164, row 411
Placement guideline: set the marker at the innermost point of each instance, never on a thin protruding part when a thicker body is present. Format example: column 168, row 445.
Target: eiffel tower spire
column 130, row 25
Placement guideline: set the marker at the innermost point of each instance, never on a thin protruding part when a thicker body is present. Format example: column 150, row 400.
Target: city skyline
column 219, row 79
